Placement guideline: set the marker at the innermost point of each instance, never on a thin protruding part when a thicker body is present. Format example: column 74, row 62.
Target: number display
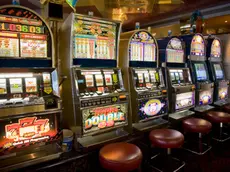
column 21, row 28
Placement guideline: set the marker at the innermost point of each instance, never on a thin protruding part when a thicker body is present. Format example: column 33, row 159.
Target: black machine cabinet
column 215, row 67
column 200, row 76
column 181, row 90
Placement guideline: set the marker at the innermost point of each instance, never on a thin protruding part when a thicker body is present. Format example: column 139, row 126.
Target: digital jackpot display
column 174, row 51
column 94, row 40
column 23, row 34
column 142, row 47
column 197, row 46
column 99, row 118
column 216, row 48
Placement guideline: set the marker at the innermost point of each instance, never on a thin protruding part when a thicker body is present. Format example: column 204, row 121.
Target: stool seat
column 120, row 157
column 218, row 117
column 226, row 108
column 166, row 138
column 197, row 125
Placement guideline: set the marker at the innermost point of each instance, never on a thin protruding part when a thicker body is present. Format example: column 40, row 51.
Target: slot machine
column 216, row 70
column 138, row 58
column 95, row 101
column 180, row 86
column 196, row 47
column 30, row 105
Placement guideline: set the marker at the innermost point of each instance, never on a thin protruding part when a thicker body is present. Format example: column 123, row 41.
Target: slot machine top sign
column 197, row 45
column 216, row 49
column 174, row 51
column 142, row 47
column 23, row 34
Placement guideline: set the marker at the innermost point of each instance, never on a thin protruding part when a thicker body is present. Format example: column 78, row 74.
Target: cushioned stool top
column 218, row 117
column 227, row 108
column 120, row 157
column 197, row 125
column 166, row 138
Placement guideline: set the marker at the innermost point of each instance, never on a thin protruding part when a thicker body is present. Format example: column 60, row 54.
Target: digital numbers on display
column 21, row 28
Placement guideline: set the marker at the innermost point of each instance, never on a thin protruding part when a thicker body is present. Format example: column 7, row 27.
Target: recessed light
column 226, row 21
column 138, row 9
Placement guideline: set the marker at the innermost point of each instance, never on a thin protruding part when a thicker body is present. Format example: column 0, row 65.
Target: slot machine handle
column 63, row 78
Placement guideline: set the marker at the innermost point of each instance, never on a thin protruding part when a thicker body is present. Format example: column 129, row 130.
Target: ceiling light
column 226, row 21
column 138, row 9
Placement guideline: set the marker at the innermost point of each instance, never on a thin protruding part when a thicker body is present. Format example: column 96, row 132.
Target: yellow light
column 226, row 21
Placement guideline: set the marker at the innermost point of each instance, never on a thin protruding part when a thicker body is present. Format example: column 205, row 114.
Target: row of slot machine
column 105, row 98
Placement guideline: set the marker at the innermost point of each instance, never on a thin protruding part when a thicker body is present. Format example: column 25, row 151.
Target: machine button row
column 94, row 102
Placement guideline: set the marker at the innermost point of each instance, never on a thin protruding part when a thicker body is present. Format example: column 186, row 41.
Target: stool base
column 221, row 136
column 195, row 148
column 174, row 164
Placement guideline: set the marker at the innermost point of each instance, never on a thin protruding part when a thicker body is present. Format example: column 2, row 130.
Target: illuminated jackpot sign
column 26, row 131
column 104, row 117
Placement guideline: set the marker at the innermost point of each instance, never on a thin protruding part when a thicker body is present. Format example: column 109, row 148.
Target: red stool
column 220, row 118
column 168, row 139
column 200, row 126
column 120, row 157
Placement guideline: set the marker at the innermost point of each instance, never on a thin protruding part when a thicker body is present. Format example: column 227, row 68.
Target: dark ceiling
column 132, row 11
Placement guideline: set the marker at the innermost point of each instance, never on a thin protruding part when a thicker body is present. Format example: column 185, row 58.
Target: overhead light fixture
column 226, row 21
column 138, row 9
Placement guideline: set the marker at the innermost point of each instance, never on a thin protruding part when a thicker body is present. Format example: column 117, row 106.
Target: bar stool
column 168, row 139
column 219, row 118
column 200, row 126
column 120, row 157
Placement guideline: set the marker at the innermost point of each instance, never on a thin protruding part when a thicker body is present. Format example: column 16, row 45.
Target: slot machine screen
column 200, row 71
column 9, row 44
column 181, row 76
column 218, row 71
column 174, row 51
column 16, row 85
column 3, row 89
column 146, row 75
column 31, row 85
column 142, row 47
column 173, row 78
column 177, row 76
column 23, row 34
column 140, row 78
column 152, row 76
column 89, row 80
column 94, row 39
column 197, row 46
column 108, row 79
column 99, row 80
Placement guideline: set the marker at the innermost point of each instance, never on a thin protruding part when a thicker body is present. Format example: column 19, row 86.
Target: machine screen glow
column 218, row 71
column 3, row 89
column 216, row 48
column 174, row 51
column 205, row 97
column 200, row 71
column 16, row 85
column 99, row 80
column 89, row 80
column 99, row 118
column 31, row 85
column 197, row 46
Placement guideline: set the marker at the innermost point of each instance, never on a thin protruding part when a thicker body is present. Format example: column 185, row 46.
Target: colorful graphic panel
column 184, row 100
column 197, row 46
column 174, row 51
column 149, row 108
column 21, row 132
column 205, row 97
column 94, row 39
column 216, row 48
column 99, row 118
column 223, row 93
column 142, row 47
